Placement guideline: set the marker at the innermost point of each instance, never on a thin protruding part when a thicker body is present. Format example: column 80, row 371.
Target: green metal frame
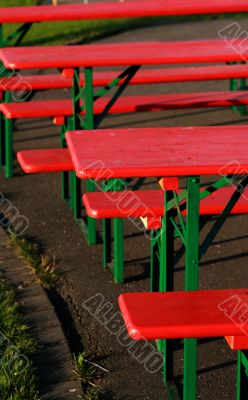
column 242, row 375
column 7, row 140
column 83, row 101
column 17, row 34
column 188, row 231
column 238, row 84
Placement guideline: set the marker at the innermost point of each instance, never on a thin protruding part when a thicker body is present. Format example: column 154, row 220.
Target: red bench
column 150, row 203
column 144, row 76
column 45, row 160
column 111, row 9
column 128, row 104
column 205, row 313
column 147, row 205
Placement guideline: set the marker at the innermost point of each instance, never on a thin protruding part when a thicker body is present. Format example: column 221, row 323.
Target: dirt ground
column 52, row 225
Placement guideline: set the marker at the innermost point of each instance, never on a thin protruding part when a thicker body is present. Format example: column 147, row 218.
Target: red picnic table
column 124, row 54
column 27, row 15
column 117, row 9
column 170, row 152
column 131, row 56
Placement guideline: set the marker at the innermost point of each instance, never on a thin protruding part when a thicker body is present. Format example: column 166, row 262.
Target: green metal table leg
column 118, row 250
column 118, row 241
column 1, row 37
column 89, row 124
column 65, row 189
column 75, row 190
column 154, row 260
column 91, row 222
column 2, row 141
column 106, row 238
column 191, row 281
column 9, row 147
column 166, row 279
column 242, row 375
column 243, row 109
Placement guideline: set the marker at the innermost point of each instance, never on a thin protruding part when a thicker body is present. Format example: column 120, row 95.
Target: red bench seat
column 111, row 9
column 143, row 76
column 45, row 160
column 202, row 313
column 127, row 104
column 141, row 203
column 147, row 203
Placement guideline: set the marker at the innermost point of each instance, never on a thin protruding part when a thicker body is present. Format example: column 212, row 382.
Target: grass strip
column 17, row 374
column 44, row 266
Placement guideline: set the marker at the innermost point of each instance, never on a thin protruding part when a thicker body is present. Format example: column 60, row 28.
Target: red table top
column 202, row 313
column 116, row 9
column 115, row 153
column 123, row 54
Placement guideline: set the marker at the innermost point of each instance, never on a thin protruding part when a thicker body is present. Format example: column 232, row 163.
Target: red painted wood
column 237, row 342
column 143, row 76
column 150, row 203
column 159, row 151
column 124, row 9
column 36, row 109
column 45, row 160
column 123, row 54
column 127, row 104
column 182, row 314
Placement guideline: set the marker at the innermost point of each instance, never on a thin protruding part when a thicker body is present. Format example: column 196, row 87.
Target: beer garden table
column 27, row 15
column 191, row 153
column 131, row 56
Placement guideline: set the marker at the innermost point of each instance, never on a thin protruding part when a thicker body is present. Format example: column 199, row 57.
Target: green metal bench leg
column 1, row 38
column 9, row 147
column 106, row 238
column 166, row 282
column 243, row 109
column 91, row 222
column 242, row 375
column 2, row 141
column 75, row 195
column 154, row 260
column 118, row 250
column 191, row 281
column 65, row 187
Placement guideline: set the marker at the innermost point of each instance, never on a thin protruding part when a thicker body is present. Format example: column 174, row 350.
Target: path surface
column 53, row 359
column 51, row 223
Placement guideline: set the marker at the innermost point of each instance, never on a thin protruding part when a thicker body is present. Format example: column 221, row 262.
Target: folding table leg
column 242, row 375
column 118, row 250
column 1, row 37
column 106, row 238
column 91, row 222
column 154, row 260
column 166, row 280
column 75, row 190
column 118, row 240
column 2, row 141
column 65, row 188
column 191, row 281
column 9, row 147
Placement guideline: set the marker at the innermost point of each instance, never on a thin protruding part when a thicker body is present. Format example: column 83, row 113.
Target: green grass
column 86, row 374
column 17, row 374
column 44, row 266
